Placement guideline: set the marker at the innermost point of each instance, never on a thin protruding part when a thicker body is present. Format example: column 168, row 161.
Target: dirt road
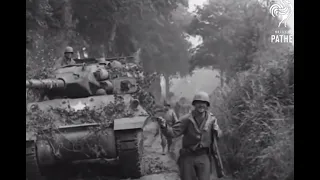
column 158, row 166
column 161, row 167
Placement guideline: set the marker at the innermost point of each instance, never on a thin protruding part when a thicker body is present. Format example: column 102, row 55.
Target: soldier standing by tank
column 170, row 118
column 198, row 128
column 66, row 59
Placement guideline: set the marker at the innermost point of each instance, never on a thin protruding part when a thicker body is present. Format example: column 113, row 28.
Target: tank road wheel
column 130, row 151
column 32, row 169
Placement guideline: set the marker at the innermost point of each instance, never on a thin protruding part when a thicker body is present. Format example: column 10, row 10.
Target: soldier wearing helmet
column 66, row 59
column 198, row 128
column 171, row 118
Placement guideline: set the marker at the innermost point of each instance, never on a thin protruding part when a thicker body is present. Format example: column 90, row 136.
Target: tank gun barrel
column 45, row 83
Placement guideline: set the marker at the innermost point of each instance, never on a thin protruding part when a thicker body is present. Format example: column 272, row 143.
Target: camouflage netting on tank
column 118, row 109
column 144, row 81
column 45, row 124
column 40, row 121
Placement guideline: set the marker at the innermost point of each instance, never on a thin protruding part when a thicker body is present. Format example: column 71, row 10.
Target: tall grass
column 256, row 114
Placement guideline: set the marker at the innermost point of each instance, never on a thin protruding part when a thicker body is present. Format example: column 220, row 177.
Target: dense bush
column 256, row 114
column 256, row 99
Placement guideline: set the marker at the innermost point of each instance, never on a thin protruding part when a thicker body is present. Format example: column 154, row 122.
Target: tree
column 107, row 28
column 233, row 33
column 255, row 108
column 164, row 47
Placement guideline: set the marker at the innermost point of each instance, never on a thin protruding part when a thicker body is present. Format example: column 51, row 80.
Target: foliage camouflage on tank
column 76, row 124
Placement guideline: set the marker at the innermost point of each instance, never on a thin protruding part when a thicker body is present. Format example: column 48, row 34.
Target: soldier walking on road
column 198, row 128
column 66, row 59
column 170, row 118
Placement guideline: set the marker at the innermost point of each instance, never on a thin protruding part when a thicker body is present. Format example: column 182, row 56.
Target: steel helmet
column 201, row 96
column 68, row 49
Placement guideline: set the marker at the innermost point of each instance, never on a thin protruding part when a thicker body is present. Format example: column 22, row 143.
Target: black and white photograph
column 159, row 90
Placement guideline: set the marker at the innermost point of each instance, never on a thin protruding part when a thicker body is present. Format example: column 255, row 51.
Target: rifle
column 217, row 158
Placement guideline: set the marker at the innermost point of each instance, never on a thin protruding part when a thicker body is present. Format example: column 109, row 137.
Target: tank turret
column 88, row 77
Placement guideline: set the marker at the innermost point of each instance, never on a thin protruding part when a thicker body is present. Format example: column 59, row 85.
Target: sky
column 202, row 80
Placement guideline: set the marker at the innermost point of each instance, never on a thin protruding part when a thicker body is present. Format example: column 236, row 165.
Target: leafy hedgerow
column 256, row 112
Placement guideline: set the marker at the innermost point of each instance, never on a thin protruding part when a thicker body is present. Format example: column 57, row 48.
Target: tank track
column 32, row 169
column 130, row 151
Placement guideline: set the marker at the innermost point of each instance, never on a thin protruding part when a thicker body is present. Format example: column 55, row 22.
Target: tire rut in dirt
column 130, row 148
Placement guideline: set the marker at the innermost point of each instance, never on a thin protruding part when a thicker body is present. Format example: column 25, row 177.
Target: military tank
column 87, row 84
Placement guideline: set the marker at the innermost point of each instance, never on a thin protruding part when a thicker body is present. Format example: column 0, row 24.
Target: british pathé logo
column 282, row 37
column 281, row 9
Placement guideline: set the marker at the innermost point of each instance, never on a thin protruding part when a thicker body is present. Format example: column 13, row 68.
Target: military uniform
column 171, row 118
column 198, row 134
column 194, row 156
column 63, row 61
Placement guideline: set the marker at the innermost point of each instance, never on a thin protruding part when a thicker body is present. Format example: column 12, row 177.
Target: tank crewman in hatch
column 170, row 118
column 66, row 59
column 197, row 128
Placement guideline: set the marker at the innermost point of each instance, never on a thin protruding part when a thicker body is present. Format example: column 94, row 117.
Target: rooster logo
column 281, row 9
